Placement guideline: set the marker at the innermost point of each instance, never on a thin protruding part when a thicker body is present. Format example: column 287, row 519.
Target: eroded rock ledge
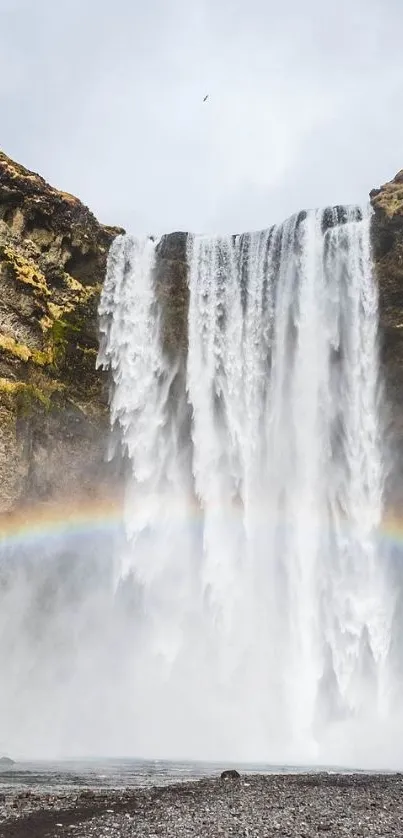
column 53, row 403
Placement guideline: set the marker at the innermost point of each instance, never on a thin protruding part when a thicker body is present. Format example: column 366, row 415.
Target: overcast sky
column 105, row 99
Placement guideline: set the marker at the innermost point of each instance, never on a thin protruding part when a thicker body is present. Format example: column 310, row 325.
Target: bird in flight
column 205, row 98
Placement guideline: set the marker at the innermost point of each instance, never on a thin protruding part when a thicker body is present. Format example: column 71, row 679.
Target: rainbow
column 40, row 523
column 29, row 526
column 391, row 529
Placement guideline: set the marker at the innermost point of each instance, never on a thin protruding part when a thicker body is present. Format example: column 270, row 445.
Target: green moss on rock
column 24, row 397
column 388, row 199
column 52, row 261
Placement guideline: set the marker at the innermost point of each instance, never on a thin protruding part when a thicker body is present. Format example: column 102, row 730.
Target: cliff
column 53, row 403
column 387, row 246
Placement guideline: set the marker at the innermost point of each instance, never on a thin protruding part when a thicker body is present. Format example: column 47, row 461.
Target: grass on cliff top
column 390, row 197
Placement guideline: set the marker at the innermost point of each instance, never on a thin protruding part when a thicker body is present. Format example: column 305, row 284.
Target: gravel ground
column 298, row 806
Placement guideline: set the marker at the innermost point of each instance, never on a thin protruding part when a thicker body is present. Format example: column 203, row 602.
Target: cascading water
column 255, row 491
column 248, row 609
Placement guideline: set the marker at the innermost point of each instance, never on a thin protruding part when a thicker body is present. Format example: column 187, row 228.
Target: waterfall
column 254, row 491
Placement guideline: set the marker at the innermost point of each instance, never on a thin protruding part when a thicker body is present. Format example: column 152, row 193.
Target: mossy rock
column 52, row 262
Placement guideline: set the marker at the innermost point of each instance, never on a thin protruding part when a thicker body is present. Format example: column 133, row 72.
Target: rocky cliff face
column 53, row 406
column 387, row 244
column 53, row 402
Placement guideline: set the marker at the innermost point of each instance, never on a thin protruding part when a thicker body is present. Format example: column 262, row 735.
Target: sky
column 105, row 100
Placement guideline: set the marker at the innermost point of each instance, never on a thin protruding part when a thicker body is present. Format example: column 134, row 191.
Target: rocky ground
column 253, row 806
